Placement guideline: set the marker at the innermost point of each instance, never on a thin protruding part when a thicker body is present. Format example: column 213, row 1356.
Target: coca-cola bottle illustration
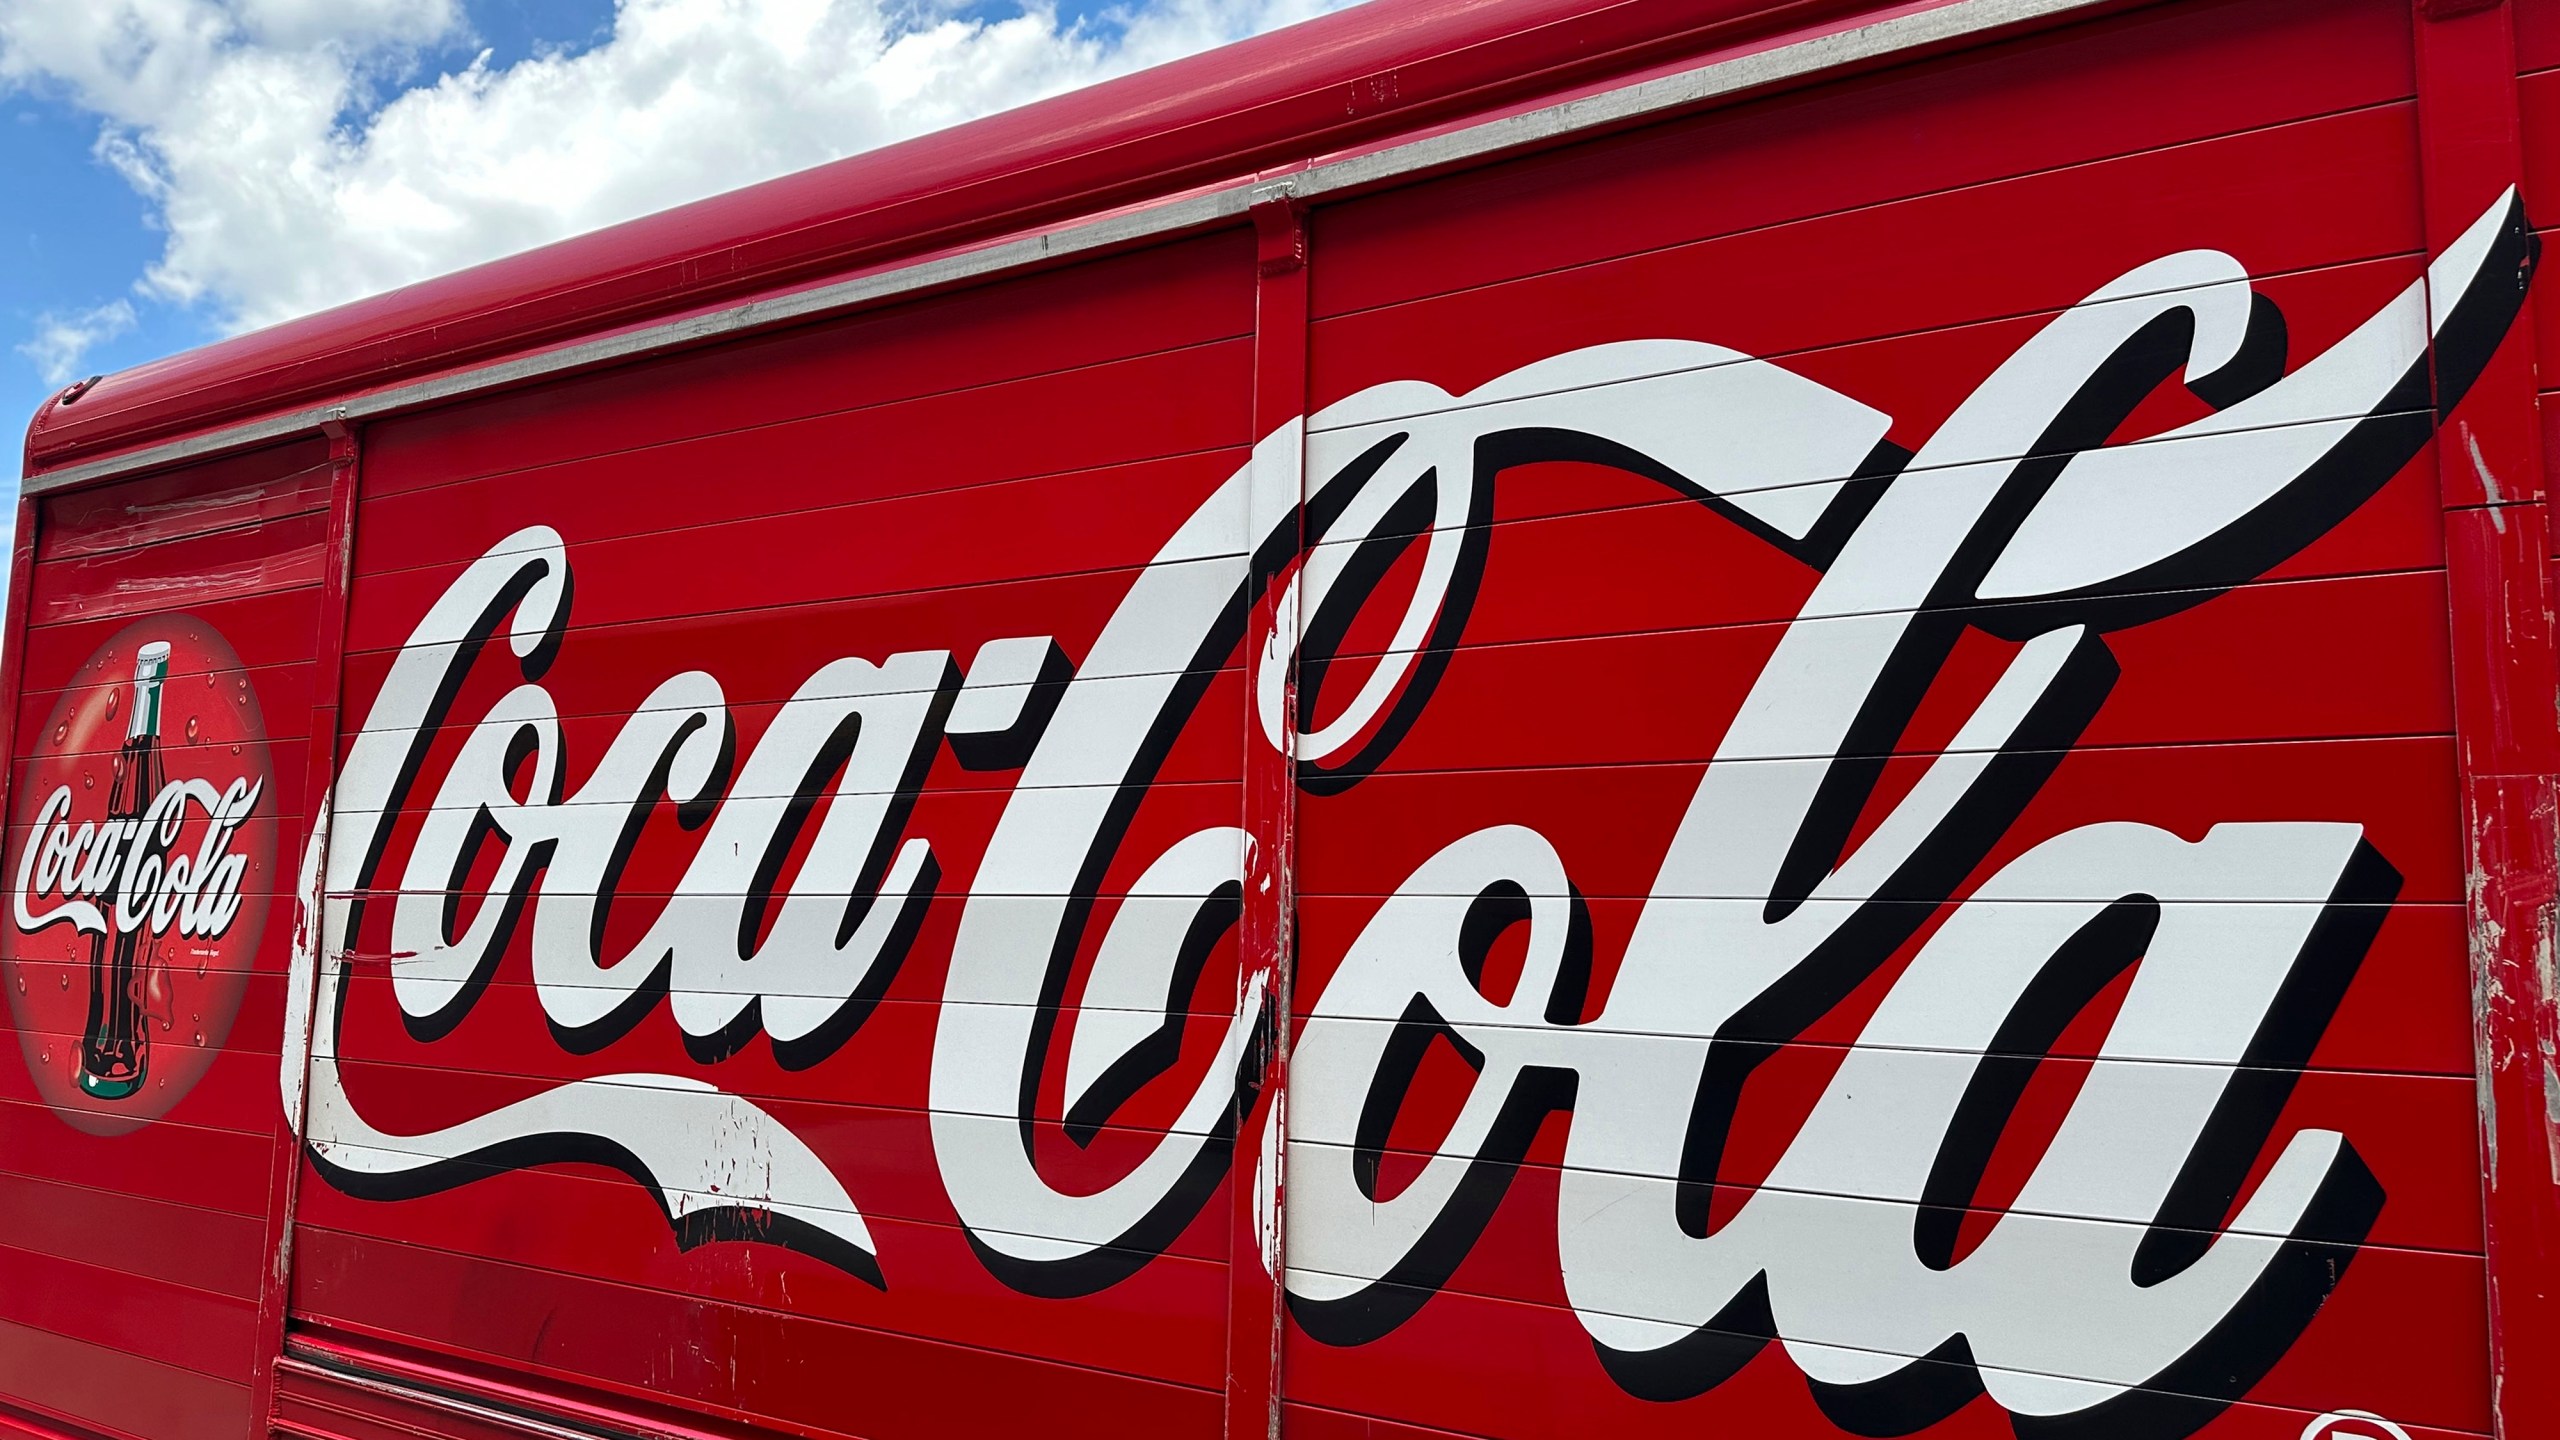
column 115, row 1046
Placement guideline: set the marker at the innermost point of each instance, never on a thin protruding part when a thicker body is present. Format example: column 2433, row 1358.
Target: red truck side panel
column 1872, row 761
column 138, row 1238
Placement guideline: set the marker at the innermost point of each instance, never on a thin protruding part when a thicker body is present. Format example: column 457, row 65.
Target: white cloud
column 62, row 341
column 302, row 23
column 298, row 155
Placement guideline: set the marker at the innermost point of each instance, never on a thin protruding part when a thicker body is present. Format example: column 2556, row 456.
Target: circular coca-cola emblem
column 142, row 846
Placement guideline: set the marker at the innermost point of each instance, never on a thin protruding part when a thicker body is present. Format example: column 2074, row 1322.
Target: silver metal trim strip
column 1955, row 21
column 455, row 1405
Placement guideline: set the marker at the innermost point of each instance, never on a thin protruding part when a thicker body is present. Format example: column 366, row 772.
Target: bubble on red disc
column 206, row 978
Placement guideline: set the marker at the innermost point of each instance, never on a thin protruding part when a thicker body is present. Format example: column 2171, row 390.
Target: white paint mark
column 2488, row 479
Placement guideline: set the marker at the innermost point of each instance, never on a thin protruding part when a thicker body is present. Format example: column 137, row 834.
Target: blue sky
column 174, row 171
column 77, row 234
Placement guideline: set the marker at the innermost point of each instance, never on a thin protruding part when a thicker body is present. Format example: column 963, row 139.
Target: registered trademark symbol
column 2352, row 1425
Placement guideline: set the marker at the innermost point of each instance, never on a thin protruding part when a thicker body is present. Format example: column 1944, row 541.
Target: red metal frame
column 284, row 1177
column 1328, row 87
column 2497, row 541
column 1323, row 86
column 1217, row 117
column 13, row 657
column 13, row 651
column 1255, row 1255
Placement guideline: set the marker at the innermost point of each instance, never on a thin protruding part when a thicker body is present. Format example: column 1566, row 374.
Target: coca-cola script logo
column 143, row 856
column 2140, row 1281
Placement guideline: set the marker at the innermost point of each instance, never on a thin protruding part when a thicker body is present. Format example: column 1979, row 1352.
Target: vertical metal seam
column 13, row 652
column 284, row 1177
column 1266, row 953
column 2502, row 675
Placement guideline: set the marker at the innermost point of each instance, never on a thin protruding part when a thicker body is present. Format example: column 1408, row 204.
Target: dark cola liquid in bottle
column 115, row 1048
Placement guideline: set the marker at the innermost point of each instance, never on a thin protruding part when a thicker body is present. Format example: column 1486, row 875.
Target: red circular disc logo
column 141, row 860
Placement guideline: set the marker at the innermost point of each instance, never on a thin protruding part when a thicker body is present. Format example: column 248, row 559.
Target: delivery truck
column 1522, row 719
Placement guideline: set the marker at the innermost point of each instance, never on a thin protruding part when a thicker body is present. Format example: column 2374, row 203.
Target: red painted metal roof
column 1327, row 85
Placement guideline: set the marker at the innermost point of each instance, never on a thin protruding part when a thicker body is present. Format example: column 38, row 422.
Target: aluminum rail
column 1919, row 30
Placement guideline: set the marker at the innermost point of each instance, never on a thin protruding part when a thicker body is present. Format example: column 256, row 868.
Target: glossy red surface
column 2224, row 964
